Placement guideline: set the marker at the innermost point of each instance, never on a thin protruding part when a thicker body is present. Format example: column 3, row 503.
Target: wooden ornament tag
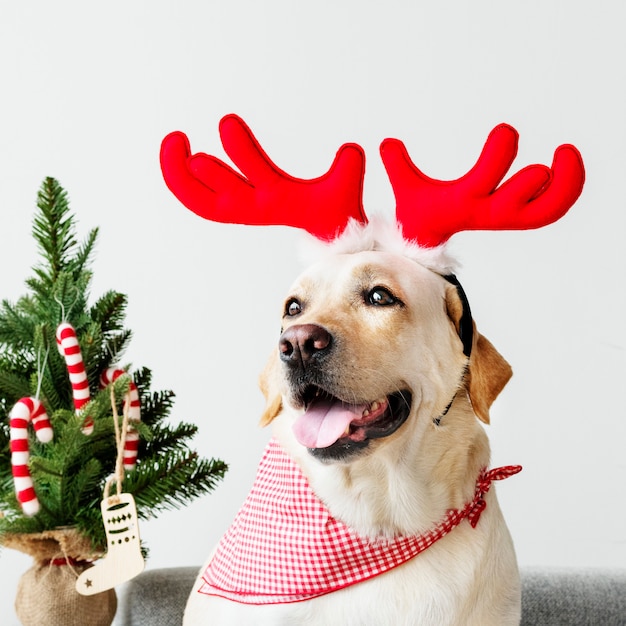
column 123, row 559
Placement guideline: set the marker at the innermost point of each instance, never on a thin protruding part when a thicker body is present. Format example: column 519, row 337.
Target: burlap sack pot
column 46, row 594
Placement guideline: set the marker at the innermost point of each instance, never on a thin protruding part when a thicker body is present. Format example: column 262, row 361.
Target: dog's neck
column 411, row 482
column 286, row 546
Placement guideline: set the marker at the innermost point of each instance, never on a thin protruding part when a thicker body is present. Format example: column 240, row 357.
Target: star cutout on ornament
column 88, row 583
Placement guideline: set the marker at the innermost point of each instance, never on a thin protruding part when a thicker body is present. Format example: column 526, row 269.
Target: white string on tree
column 123, row 559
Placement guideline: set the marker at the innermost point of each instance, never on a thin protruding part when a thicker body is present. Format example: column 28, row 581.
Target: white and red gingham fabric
column 284, row 546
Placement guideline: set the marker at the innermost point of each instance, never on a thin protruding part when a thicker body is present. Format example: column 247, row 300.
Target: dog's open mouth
column 332, row 428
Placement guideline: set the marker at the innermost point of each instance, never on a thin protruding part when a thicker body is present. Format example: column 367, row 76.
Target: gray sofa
column 550, row 597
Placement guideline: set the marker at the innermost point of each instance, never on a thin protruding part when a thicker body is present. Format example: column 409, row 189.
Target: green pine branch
column 176, row 480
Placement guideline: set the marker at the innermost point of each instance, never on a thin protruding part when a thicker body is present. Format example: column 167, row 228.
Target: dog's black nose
column 302, row 342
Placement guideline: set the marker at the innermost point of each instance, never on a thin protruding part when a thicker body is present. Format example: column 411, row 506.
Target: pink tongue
column 325, row 421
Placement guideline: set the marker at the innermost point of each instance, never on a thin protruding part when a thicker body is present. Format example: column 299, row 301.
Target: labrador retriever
column 375, row 394
column 372, row 502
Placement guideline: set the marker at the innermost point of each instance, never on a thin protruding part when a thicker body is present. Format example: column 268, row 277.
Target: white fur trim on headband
column 383, row 235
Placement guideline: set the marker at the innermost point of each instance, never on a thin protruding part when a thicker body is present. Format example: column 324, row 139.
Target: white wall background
column 87, row 91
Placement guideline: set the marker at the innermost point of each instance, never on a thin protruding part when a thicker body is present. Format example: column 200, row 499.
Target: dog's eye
column 293, row 307
column 379, row 296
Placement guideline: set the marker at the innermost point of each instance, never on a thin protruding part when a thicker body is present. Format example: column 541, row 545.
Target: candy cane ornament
column 25, row 411
column 131, row 445
column 67, row 343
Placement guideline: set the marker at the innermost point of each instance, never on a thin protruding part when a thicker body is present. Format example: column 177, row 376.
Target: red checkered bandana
column 284, row 546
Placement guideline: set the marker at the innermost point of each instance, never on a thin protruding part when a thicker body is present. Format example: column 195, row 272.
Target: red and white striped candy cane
column 26, row 410
column 67, row 342
column 131, row 445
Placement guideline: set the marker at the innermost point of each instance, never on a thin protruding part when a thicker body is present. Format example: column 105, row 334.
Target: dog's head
column 374, row 336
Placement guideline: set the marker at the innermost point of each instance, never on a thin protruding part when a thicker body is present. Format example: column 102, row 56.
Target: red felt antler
column 430, row 210
column 264, row 194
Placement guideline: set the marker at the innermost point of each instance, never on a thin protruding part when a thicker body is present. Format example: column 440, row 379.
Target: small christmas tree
column 69, row 471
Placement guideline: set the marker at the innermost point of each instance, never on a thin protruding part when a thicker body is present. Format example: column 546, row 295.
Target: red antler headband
column 429, row 210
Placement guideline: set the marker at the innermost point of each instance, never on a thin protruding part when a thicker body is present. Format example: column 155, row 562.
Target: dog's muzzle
column 331, row 426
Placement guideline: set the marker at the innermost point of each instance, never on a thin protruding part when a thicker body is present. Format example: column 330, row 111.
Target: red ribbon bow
column 483, row 484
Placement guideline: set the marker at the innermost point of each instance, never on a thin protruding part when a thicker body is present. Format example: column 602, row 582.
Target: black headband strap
column 466, row 327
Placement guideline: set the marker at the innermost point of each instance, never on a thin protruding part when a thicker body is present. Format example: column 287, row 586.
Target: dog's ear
column 488, row 371
column 269, row 386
